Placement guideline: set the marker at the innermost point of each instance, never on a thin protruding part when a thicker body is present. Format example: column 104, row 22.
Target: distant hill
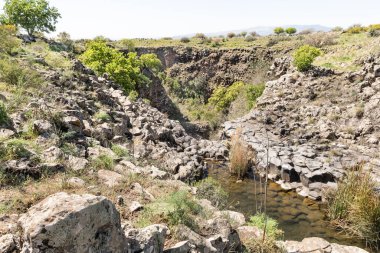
column 264, row 30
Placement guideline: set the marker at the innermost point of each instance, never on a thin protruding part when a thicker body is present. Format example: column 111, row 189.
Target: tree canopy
column 31, row 15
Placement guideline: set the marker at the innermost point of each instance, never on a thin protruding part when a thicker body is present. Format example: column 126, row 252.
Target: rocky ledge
column 86, row 223
column 317, row 125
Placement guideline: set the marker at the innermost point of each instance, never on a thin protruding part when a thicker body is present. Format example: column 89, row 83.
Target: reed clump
column 239, row 155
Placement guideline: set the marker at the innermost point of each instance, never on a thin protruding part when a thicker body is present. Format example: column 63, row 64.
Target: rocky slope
column 317, row 124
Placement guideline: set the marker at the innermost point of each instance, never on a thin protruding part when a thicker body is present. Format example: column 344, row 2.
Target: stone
column 336, row 248
column 235, row 218
column 135, row 206
column 72, row 223
column 52, row 154
column 110, row 178
column 6, row 133
column 247, row 233
column 77, row 163
column 42, row 127
column 180, row 247
column 315, row 245
column 136, row 187
column 150, row 239
column 7, row 243
column 8, row 224
column 76, row 182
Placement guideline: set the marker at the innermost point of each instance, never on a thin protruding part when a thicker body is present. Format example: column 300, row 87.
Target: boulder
column 180, row 247
column 110, row 178
column 42, row 127
column 72, row 223
column 7, row 243
column 235, row 218
column 150, row 239
column 247, row 233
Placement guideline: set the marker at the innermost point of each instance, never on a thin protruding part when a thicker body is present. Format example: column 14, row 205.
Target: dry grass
column 355, row 207
column 239, row 155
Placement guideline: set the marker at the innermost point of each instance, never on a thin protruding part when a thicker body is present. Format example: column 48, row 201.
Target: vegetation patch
column 355, row 206
column 304, row 57
column 239, row 155
column 211, row 189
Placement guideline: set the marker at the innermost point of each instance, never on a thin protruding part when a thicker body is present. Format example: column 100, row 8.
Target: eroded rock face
column 72, row 223
column 317, row 124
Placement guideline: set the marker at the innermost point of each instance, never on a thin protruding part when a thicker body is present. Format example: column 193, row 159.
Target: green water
column 298, row 217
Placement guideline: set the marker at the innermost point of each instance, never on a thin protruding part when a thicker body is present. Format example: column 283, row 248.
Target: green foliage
column 133, row 95
column 253, row 93
column 32, row 15
column 14, row 149
column 278, row 30
column 355, row 29
column 125, row 70
column 201, row 36
column 150, row 61
column 211, row 189
column 243, row 34
column 304, row 57
column 65, row 39
column 355, row 206
column 120, row 151
column 222, row 97
column 249, row 38
column 3, row 114
column 272, row 230
column 13, row 73
column 291, row 30
column 102, row 116
column 127, row 44
column 8, row 40
column 337, row 29
column 177, row 208
column 103, row 162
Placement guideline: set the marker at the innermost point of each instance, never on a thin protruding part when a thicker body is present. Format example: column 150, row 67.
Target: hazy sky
column 158, row 18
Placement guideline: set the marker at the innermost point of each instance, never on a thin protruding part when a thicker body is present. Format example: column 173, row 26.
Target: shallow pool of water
column 298, row 217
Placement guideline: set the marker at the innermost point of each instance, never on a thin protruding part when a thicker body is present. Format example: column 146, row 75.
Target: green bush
column 8, row 39
column 249, row 38
column 304, row 57
column 120, row 151
column 133, row 95
column 103, row 162
column 278, row 30
column 102, row 116
column 222, row 97
column 355, row 206
column 211, row 189
column 272, row 230
column 14, row 149
column 124, row 70
column 231, row 35
column 253, row 93
column 291, row 30
column 355, row 29
column 3, row 114
column 127, row 44
column 201, row 36
column 13, row 73
column 177, row 208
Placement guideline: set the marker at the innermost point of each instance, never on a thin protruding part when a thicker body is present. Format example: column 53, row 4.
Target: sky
column 118, row 19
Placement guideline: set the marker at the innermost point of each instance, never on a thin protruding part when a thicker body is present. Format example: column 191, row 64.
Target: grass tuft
column 239, row 155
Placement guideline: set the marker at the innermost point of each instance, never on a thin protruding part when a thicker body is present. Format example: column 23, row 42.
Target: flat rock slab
column 110, row 178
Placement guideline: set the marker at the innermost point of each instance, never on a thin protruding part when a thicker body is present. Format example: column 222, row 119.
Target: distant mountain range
column 263, row 30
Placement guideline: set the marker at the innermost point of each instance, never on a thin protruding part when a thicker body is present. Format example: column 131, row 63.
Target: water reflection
column 298, row 217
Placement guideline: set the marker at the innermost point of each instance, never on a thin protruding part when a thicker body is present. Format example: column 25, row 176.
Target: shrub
column 65, row 39
column 253, row 93
column 201, row 36
column 278, row 30
column 211, row 189
column 125, row 70
column 133, row 95
column 291, row 30
column 304, row 57
column 12, row 73
column 355, row 206
column 374, row 30
column 14, row 149
column 355, row 29
column 231, row 35
column 222, row 97
column 150, row 61
column 32, row 15
column 249, row 38
column 306, row 31
column 337, row 29
column 8, row 40
column 127, row 44
column 243, row 34
column 321, row 39
column 120, row 151
column 102, row 116
column 239, row 155
column 177, row 208
column 272, row 230
column 103, row 162
column 185, row 40
column 3, row 114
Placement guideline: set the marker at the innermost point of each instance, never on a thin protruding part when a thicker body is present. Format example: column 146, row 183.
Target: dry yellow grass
column 239, row 155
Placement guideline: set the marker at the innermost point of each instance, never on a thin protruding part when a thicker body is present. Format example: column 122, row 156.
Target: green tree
column 291, row 30
column 32, row 15
column 304, row 57
column 278, row 30
column 8, row 39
